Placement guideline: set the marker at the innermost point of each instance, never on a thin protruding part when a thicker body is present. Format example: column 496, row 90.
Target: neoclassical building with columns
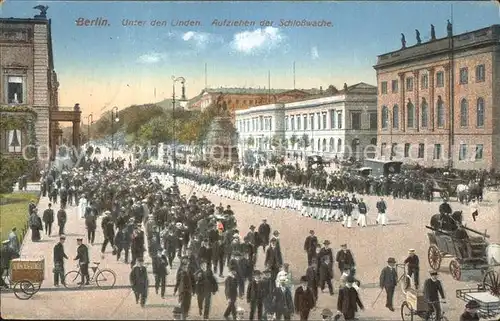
column 439, row 101
column 340, row 125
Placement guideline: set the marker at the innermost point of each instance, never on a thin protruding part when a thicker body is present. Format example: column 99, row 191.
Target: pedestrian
column 363, row 210
column 35, row 225
column 310, row 245
column 287, row 274
column 159, row 270
column 206, row 286
column 255, row 295
column 474, row 209
column 62, row 217
column 48, row 219
column 432, row 290
column 381, row 208
column 122, row 243
column 14, row 241
column 59, row 257
column 325, row 259
column 312, row 274
column 388, row 281
column 471, row 311
column 348, row 301
column 303, row 299
column 264, row 233
column 82, row 255
column 413, row 268
column 139, row 282
column 344, row 259
column 231, row 291
column 6, row 256
column 90, row 224
column 108, row 230
column 283, row 301
column 272, row 259
column 185, row 287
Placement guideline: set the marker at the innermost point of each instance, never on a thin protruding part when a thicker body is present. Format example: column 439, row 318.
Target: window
column 440, row 79
column 437, row 151
column 304, row 118
column 385, row 116
column 407, row 150
column 464, row 113
column 339, row 120
column 383, row 87
column 15, row 90
column 324, row 120
column 261, row 120
column 14, row 140
column 440, row 113
column 318, row 121
column 373, row 120
column 411, row 115
column 292, row 122
column 421, row 150
column 244, row 102
column 332, row 144
column 311, row 119
column 332, row 119
column 480, row 112
column 356, row 120
column 270, row 123
column 479, row 152
column 409, row 84
column 339, row 145
column 286, row 123
column 462, row 155
column 424, row 81
column 480, row 73
column 464, row 76
column 236, row 101
column 249, row 102
column 395, row 117
column 298, row 122
column 394, row 147
column 383, row 146
column 424, row 113
column 394, row 86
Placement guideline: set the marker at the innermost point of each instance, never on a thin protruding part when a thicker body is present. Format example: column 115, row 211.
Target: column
column 447, row 99
column 76, row 134
column 402, row 103
column 416, row 88
column 431, row 101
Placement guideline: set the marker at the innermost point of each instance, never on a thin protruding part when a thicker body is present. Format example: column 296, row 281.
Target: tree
column 250, row 141
column 293, row 141
column 304, row 142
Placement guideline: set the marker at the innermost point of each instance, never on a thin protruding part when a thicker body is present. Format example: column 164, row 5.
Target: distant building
column 244, row 98
column 339, row 124
column 426, row 118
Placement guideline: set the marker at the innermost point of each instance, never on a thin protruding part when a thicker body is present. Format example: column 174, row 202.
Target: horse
column 448, row 223
column 462, row 191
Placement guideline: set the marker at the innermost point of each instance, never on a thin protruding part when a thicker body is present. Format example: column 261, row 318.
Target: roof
column 255, row 91
column 359, row 88
column 24, row 20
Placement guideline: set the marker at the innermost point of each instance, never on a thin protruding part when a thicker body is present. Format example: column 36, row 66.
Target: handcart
column 26, row 277
column 416, row 305
column 489, row 304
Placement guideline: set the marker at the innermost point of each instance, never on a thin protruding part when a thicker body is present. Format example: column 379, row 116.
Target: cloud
column 200, row 39
column 151, row 58
column 314, row 53
column 251, row 42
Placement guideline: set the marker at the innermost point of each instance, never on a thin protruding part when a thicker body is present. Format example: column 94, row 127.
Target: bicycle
column 420, row 308
column 105, row 279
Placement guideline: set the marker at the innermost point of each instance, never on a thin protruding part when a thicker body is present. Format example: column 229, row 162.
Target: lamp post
column 114, row 118
column 182, row 102
column 90, row 121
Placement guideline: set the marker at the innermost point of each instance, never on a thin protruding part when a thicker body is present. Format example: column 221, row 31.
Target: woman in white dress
column 82, row 205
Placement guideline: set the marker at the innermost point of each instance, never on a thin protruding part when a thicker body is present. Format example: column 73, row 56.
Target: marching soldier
column 363, row 210
column 413, row 267
column 382, row 208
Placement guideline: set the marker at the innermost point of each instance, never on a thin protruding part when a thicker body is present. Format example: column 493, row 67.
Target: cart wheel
column 491, row 282
column 404, row 281
column 106, row 279
column 406, row 311
column 444, row 195
column 434, row 257
column 455, row 270
column 72, row 280
column 37, row 286
column 23, row 290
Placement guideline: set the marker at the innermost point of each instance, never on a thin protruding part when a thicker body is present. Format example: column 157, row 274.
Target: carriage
column 447, row 187
column 26, row 277
column 470, row 257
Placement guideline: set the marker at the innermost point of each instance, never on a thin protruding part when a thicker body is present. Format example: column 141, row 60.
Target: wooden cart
column 26, row 277
column 489, row 304
column 415, row 305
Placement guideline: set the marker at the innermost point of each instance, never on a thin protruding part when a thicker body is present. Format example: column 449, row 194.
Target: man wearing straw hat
column 388, row 281
column 413, row 268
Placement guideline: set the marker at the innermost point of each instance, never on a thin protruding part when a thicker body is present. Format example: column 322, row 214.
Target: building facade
column 439, row 101
column 341, row 125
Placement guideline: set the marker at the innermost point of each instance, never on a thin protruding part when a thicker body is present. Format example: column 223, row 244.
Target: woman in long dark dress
column 36, row 226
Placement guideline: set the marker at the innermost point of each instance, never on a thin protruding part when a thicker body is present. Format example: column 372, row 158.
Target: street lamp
column 90, row 121
column 114, row 119
column 182, row 103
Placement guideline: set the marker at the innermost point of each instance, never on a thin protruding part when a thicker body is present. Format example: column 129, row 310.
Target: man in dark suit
column 432, row 290
column 48, row 219
column 185, row 287
column 283, row 301
column 160, row 272
column 231, row 289
column 59, row 257
column 312, row 275
column 264, row 233
column 139, row 282
column 206, row 286
column 272, row 261
column 388, row 281
column 413, row 268
column 348, row 301
column 82, row 255
column 205, row 253
column 303, row 299
column 255, row 295
column 310, row 245
column 344, row 258
column 325, row 259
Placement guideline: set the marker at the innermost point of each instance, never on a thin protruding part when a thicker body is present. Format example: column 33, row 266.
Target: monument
column 222, row 139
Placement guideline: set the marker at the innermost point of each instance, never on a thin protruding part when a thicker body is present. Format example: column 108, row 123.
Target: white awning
column 15, row 80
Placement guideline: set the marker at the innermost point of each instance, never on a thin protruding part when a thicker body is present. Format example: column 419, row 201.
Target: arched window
column 440, row 112
column 395, row 117
column 424, row 110
column 319, row 144
column 373, row 141
column 324, row 144
column 410, row 109
column 332, row 145
column 339, row 145
column 385, row 117
column 312, row 144
column 480, row 112
column 464, row 113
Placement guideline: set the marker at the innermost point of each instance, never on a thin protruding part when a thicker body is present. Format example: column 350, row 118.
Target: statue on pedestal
column 449, row 29
column 419, row 41
column 433, row 33
column 403, row 41
column 43, row 11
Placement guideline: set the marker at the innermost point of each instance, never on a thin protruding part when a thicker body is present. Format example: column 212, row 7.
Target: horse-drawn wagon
column 469, row 254
column 26, row 277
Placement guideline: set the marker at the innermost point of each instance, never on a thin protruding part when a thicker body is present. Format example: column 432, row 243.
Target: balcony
column 71, row 114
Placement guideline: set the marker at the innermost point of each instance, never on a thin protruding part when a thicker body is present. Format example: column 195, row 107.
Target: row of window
column 424, row 80
column 314, row 121
column 424, row 114
column 255, row 124
column 437, row 151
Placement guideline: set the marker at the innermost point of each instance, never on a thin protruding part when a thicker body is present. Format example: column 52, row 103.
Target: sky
column 115, row 65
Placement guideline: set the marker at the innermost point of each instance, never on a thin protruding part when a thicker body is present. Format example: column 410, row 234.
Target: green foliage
column 10, row 170
column 14, row 209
